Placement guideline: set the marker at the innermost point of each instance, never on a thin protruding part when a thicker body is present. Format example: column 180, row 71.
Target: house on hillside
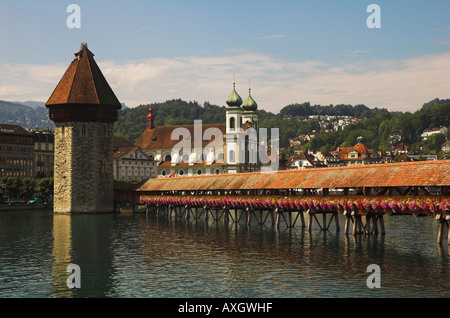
column 302, row 160
column 435, row 130
column 400, row 148
column 446, row 146
column 359, row 154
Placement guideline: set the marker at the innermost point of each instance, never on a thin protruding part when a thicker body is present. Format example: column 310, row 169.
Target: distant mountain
column 31, row 103
column 35, row 104
column 434, row 102
column 26, row 116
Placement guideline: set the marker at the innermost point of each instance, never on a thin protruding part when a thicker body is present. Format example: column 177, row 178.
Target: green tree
column 28, row 188
column 12, row 187
column 44, row 187
column 434, row 143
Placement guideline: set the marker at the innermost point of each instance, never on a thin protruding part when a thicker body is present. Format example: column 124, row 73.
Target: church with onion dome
column 235, row 143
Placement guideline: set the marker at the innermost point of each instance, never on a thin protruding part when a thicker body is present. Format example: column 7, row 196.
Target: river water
column 135, row 255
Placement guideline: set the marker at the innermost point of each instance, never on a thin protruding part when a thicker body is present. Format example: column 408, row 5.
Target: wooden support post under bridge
column 358, row 226
column 443, row 223
column 324, row 226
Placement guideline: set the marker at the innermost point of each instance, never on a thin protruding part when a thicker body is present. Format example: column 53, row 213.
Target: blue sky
column 292, row 51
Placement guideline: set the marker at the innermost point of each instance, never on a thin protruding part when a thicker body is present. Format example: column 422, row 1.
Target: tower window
column 232, row 123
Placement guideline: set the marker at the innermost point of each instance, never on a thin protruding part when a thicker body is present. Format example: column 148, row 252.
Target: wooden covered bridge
column 370, row 191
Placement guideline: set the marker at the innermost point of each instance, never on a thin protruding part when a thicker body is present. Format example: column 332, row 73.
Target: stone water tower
column 84, row 108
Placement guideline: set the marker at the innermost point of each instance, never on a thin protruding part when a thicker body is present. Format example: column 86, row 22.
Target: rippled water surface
column 126, row 255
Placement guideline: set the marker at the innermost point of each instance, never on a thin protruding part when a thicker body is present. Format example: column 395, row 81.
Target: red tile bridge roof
column 404, row 174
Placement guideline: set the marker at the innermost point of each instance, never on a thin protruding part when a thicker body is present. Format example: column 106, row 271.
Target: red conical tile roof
column 83, row 83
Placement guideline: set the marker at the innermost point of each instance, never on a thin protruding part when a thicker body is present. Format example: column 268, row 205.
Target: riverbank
column 18, row 207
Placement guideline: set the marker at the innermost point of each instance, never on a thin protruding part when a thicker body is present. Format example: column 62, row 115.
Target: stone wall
column 83, row 167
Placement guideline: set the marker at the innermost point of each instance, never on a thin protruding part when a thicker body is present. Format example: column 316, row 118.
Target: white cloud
column 395, row 84
column 22, row 81
column 273, row 36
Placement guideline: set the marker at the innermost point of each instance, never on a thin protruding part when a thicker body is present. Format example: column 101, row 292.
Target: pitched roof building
column 198, row 149
column 435, row 130
column 302, row 160
column 357, row 155
column 130, row 162
column 446, row 146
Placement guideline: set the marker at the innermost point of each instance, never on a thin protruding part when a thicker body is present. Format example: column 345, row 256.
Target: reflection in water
column 62, row 254
column 140, row 256
column 91, row 249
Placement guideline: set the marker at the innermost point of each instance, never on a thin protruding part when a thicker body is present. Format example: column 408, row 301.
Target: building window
column 217, row 171
column 181, row 172
column 163, row 173
column 199, row 172
column 168, row 158
column 232, row 123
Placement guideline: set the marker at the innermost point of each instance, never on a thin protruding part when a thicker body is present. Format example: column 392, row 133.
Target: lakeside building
column 16, row 152
column 130, row 162
column 44, row 142
column 207, row 148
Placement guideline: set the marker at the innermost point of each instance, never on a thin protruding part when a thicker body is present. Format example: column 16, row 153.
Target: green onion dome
column 249, row 104
column 234, row 100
